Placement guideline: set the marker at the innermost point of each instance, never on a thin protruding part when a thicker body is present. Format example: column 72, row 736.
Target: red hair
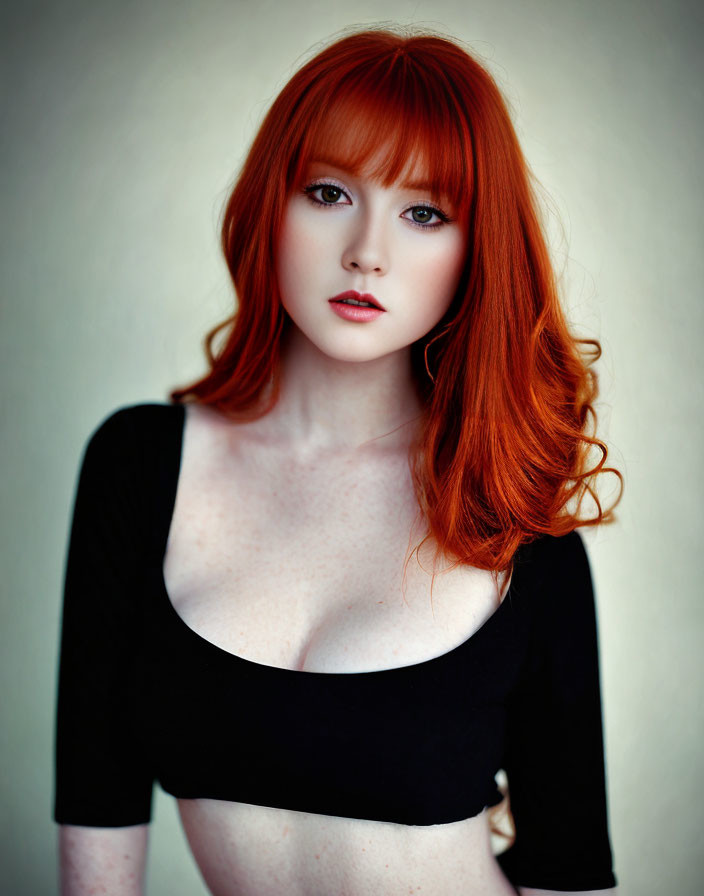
column 507, row 395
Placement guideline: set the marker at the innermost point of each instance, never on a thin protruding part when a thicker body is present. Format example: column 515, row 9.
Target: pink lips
column 357, row 313
column 360, row 297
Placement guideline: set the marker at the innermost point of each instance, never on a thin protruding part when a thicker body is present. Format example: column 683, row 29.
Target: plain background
column 123, row 126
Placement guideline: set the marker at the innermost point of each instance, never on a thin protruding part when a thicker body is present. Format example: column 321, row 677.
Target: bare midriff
column 245, row 850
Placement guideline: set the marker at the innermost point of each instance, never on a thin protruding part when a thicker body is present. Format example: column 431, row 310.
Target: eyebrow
column 421, row 185
column 331, row 163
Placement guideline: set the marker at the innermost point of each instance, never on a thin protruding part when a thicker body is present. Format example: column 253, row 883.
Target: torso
column 299, row 564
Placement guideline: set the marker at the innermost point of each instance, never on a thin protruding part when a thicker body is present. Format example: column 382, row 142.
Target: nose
column 366, row 250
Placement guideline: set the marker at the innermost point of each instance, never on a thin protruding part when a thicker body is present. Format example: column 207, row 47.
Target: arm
column 103, row 778
column 102, row 860
column 555, row 757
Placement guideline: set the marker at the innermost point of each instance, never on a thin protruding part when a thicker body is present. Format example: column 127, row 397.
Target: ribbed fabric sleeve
column 103, row 776
column 555, row 760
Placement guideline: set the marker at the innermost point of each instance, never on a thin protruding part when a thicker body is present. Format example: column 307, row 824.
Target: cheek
column 436, row 273
column 297, row 257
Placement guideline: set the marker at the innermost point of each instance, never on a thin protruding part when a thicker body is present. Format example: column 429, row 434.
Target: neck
column 328, row 405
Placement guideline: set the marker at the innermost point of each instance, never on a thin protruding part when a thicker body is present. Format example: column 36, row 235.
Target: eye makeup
column 330, row 192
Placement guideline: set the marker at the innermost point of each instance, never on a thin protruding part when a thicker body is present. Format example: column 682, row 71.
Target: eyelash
column 319, row 185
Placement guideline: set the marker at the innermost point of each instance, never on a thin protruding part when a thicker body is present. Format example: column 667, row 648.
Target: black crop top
column 142, row 697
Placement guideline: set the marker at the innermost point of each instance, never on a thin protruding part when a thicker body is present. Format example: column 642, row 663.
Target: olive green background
column 123, row 125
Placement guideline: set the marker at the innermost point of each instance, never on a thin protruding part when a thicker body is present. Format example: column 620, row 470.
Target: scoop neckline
column 267, row 668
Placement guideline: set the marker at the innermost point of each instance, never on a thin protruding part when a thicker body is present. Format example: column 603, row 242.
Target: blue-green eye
column 421, row 214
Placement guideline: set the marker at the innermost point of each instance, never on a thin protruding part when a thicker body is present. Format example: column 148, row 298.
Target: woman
column 334, row 587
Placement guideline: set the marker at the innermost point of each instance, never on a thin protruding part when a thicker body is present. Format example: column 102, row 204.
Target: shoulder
column 130, row 466
column 564, row 615
column 555, row 558
column 560, row 590
column 137, row 420
column 126, row 432
column 564, row 555
column 130, row 445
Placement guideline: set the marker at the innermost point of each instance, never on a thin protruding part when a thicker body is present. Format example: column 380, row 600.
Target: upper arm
column 555, row 755
column 102, row 860
column 103, row 775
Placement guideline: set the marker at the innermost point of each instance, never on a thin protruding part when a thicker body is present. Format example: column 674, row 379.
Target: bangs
column 393, row 120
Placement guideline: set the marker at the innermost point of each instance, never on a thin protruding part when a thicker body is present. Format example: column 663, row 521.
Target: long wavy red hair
column 502, row 455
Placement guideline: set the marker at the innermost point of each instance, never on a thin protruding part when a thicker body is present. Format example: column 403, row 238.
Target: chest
column 303, row 565
column 246, row 670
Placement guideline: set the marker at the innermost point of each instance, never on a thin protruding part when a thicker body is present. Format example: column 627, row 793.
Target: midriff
column 245, row 850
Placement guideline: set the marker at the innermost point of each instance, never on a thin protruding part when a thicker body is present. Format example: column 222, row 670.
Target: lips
column 359, row 297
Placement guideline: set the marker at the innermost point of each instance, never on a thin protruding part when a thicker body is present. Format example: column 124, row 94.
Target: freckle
column 380, row 601
column 317, row 857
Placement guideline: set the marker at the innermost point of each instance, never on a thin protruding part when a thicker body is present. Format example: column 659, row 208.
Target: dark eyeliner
column 311, row 188
column 444, row 219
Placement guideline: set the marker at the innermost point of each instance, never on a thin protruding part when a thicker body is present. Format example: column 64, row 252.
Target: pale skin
column 343, row 422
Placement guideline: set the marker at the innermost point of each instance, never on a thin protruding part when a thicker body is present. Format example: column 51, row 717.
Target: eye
column 326, row 194
column 422, row 216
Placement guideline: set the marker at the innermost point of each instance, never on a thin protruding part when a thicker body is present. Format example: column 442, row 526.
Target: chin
column 348, row 347
column 349, row 355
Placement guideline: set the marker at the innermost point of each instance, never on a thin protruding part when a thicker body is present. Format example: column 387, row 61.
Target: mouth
column 359, row 299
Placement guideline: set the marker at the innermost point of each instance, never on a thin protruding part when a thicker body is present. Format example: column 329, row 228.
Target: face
column 350, row 234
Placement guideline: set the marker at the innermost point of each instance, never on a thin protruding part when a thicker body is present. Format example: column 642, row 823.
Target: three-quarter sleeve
column 555, row 755
column 102, row 766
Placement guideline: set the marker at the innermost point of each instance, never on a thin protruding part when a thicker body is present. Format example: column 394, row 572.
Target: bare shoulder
column 206, row 422
column 209, row 431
